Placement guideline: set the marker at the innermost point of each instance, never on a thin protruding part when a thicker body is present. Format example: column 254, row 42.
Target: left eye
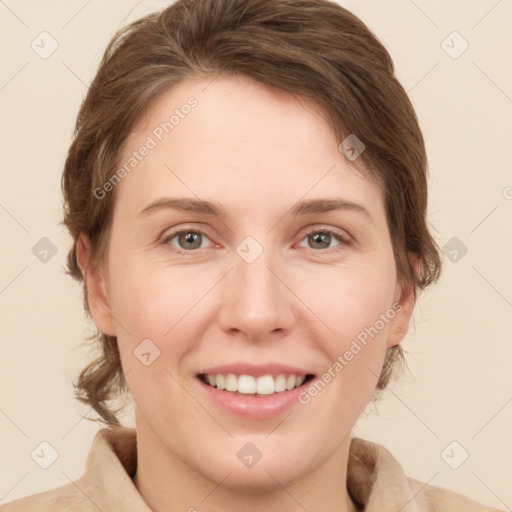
column 321, row 239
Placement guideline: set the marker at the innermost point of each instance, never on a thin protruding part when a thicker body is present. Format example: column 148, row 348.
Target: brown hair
column 314, row 49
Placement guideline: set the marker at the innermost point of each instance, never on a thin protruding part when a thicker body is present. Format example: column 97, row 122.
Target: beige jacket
column 375, row 480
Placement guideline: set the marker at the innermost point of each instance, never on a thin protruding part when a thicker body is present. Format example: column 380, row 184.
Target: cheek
column 156, row 310
column 170, row 307
column 358, row 309
column 351, row 299
column 355, row 306
column 150, row 300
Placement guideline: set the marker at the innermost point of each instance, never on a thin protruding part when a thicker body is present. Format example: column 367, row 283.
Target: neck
column 166, row 482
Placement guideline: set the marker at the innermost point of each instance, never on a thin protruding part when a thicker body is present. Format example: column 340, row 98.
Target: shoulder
column 377, row 482
column 105, row 485
column 440, row 499
column 61, row 499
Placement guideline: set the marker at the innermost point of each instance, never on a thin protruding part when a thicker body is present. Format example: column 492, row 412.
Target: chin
column 262, row 478
column 273, row 466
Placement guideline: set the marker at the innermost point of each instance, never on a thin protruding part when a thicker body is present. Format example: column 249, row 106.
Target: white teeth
column 265, row 385
column 246, row 384
column 249, row 385
column 280, row 383
column 219, row 381
column 231, row 382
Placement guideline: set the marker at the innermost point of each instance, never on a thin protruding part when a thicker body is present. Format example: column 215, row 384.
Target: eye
column 322, row 238
column 187, row 239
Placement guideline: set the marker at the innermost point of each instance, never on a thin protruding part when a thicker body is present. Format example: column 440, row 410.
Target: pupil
column 320, row 238
column 190, row 238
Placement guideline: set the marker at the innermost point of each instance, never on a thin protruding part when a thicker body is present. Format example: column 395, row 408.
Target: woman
column 246, row 192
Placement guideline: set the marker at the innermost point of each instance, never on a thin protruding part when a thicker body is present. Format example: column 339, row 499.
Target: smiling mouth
column 249, row 385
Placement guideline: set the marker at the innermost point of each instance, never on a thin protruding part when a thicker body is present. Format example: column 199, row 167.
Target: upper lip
column 243, row 368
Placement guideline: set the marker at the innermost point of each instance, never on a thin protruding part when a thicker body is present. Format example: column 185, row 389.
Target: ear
column 96, row 286
column 399, row 325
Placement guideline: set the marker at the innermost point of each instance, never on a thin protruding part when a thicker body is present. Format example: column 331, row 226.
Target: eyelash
column 344, row 240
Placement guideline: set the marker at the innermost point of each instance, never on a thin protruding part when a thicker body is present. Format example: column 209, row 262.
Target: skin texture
column 256, row 151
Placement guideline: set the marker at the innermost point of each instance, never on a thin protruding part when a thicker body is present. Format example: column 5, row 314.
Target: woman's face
column 274, row 284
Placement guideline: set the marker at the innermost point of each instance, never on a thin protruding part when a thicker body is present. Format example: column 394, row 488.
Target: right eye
column 187, row 240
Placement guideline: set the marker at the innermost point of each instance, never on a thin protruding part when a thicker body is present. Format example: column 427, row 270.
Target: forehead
column 234, row 138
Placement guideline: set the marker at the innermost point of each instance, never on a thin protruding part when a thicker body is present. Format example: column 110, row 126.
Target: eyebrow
column 215, row 209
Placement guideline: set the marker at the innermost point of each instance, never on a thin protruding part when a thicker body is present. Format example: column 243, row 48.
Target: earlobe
column 97, row 292
column 400, row 323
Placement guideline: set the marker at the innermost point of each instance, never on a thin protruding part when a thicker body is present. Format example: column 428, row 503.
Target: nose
column 257, row 304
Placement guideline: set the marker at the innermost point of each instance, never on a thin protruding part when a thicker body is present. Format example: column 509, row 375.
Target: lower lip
column 254, row 407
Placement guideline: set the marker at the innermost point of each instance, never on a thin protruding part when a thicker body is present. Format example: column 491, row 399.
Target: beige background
column 459, row 387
